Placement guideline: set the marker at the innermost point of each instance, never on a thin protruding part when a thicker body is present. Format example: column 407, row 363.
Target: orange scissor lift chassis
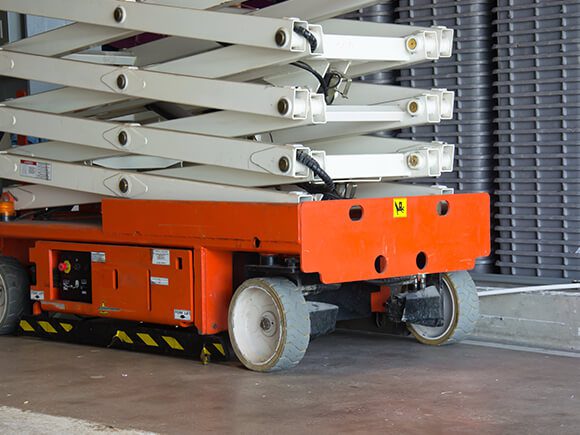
column 342, row 241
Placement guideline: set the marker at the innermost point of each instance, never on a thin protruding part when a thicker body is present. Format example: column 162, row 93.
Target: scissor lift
column 234, row 150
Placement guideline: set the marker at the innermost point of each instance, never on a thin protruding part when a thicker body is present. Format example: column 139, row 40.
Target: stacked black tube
column 538, row 145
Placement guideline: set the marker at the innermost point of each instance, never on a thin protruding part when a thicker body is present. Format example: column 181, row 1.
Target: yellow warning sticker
column 400, row 207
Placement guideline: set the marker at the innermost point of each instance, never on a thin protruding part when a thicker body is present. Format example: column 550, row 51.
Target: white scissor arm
column 227, row 103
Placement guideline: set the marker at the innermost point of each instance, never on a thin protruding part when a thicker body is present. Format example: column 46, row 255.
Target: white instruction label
column 182, row 314
column 161, row 257
column 36, row 295
column 159, row 281
column 98, row 257
column 38, row 170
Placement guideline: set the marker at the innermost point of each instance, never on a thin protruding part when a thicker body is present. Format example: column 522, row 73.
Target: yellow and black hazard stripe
column 129, row 335
column 172, row 342
column 43, row 326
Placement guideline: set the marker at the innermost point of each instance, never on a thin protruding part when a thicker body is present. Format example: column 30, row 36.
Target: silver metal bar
column 428, row 111
column 123, row 184
column 216, row 94
column 135, row 139
column 64, row 100
column 367, row 28
column 431, row 158
column 165, row 20
column 39, row 196
column 230, row 177
column 382, row 190
column 231, row 124
column 314, row 11
column 193, row 4
column 68, row 39
column 62, row 151
column 77, row 36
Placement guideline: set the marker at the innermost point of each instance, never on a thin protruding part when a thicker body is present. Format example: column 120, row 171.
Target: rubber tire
column 466, row 306
column 295, row 324
column 17, row 289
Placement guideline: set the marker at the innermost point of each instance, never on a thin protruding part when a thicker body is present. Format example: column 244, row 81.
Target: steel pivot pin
column 124, row 185
column 284, row 164
column 413, row 107
column 122, row 81
column 413, row 161
column 123, row 138
column 281, row 37
column 119, row 14
column 283, row 106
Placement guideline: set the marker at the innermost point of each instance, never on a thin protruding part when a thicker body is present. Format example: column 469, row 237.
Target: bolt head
column 265, row 324
column 122, row 81
column 124, row 185
column 123, row 138
column 281, row 37
column 283, row 106
column 284, row 164
column 411, row 43
column 413, row 160
column 119, row 14
column 413, row 107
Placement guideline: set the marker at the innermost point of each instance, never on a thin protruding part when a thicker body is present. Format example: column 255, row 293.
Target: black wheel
column 460, row 311
column 14, row 294
column 269, row 324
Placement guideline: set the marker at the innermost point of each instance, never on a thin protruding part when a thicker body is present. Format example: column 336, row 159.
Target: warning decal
column 161, row 257
column 38, row 170
column 400, row 207
column 155, row 280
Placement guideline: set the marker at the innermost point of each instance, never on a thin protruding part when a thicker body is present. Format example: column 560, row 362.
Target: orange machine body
column 157, row 261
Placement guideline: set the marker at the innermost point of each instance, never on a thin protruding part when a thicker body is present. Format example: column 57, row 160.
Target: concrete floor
column 348, row 383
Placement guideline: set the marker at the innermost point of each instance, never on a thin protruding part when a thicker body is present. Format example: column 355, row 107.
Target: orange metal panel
column 382, row 239
column 343, row 250
column 234, row 226
column 122, row 286
column 213, row 284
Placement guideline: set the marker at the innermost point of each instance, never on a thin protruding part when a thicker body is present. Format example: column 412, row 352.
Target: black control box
column 72, row 276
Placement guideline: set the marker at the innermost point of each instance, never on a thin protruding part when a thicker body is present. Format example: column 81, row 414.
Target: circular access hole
column 355, row 213
column 442, row 208
column 421, row 260
column 257, row 242
column 380, row 264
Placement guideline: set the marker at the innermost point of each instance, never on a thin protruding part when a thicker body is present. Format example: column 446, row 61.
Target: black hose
column 306, row 67
column 313, row 165
column 309, row 36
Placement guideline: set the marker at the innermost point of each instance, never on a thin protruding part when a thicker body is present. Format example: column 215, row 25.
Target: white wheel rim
column 256, row 324
column 449, row 313
column 3, row 300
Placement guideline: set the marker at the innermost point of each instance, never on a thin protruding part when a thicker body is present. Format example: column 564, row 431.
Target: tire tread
column 17, row 285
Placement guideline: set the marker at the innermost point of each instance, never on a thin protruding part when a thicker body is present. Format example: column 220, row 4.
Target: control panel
column 72, row 276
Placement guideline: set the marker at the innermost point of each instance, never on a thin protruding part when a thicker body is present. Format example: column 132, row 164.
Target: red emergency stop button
column 64, row 266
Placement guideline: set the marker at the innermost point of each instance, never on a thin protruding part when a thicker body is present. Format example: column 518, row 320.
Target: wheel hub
column 268, row 324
